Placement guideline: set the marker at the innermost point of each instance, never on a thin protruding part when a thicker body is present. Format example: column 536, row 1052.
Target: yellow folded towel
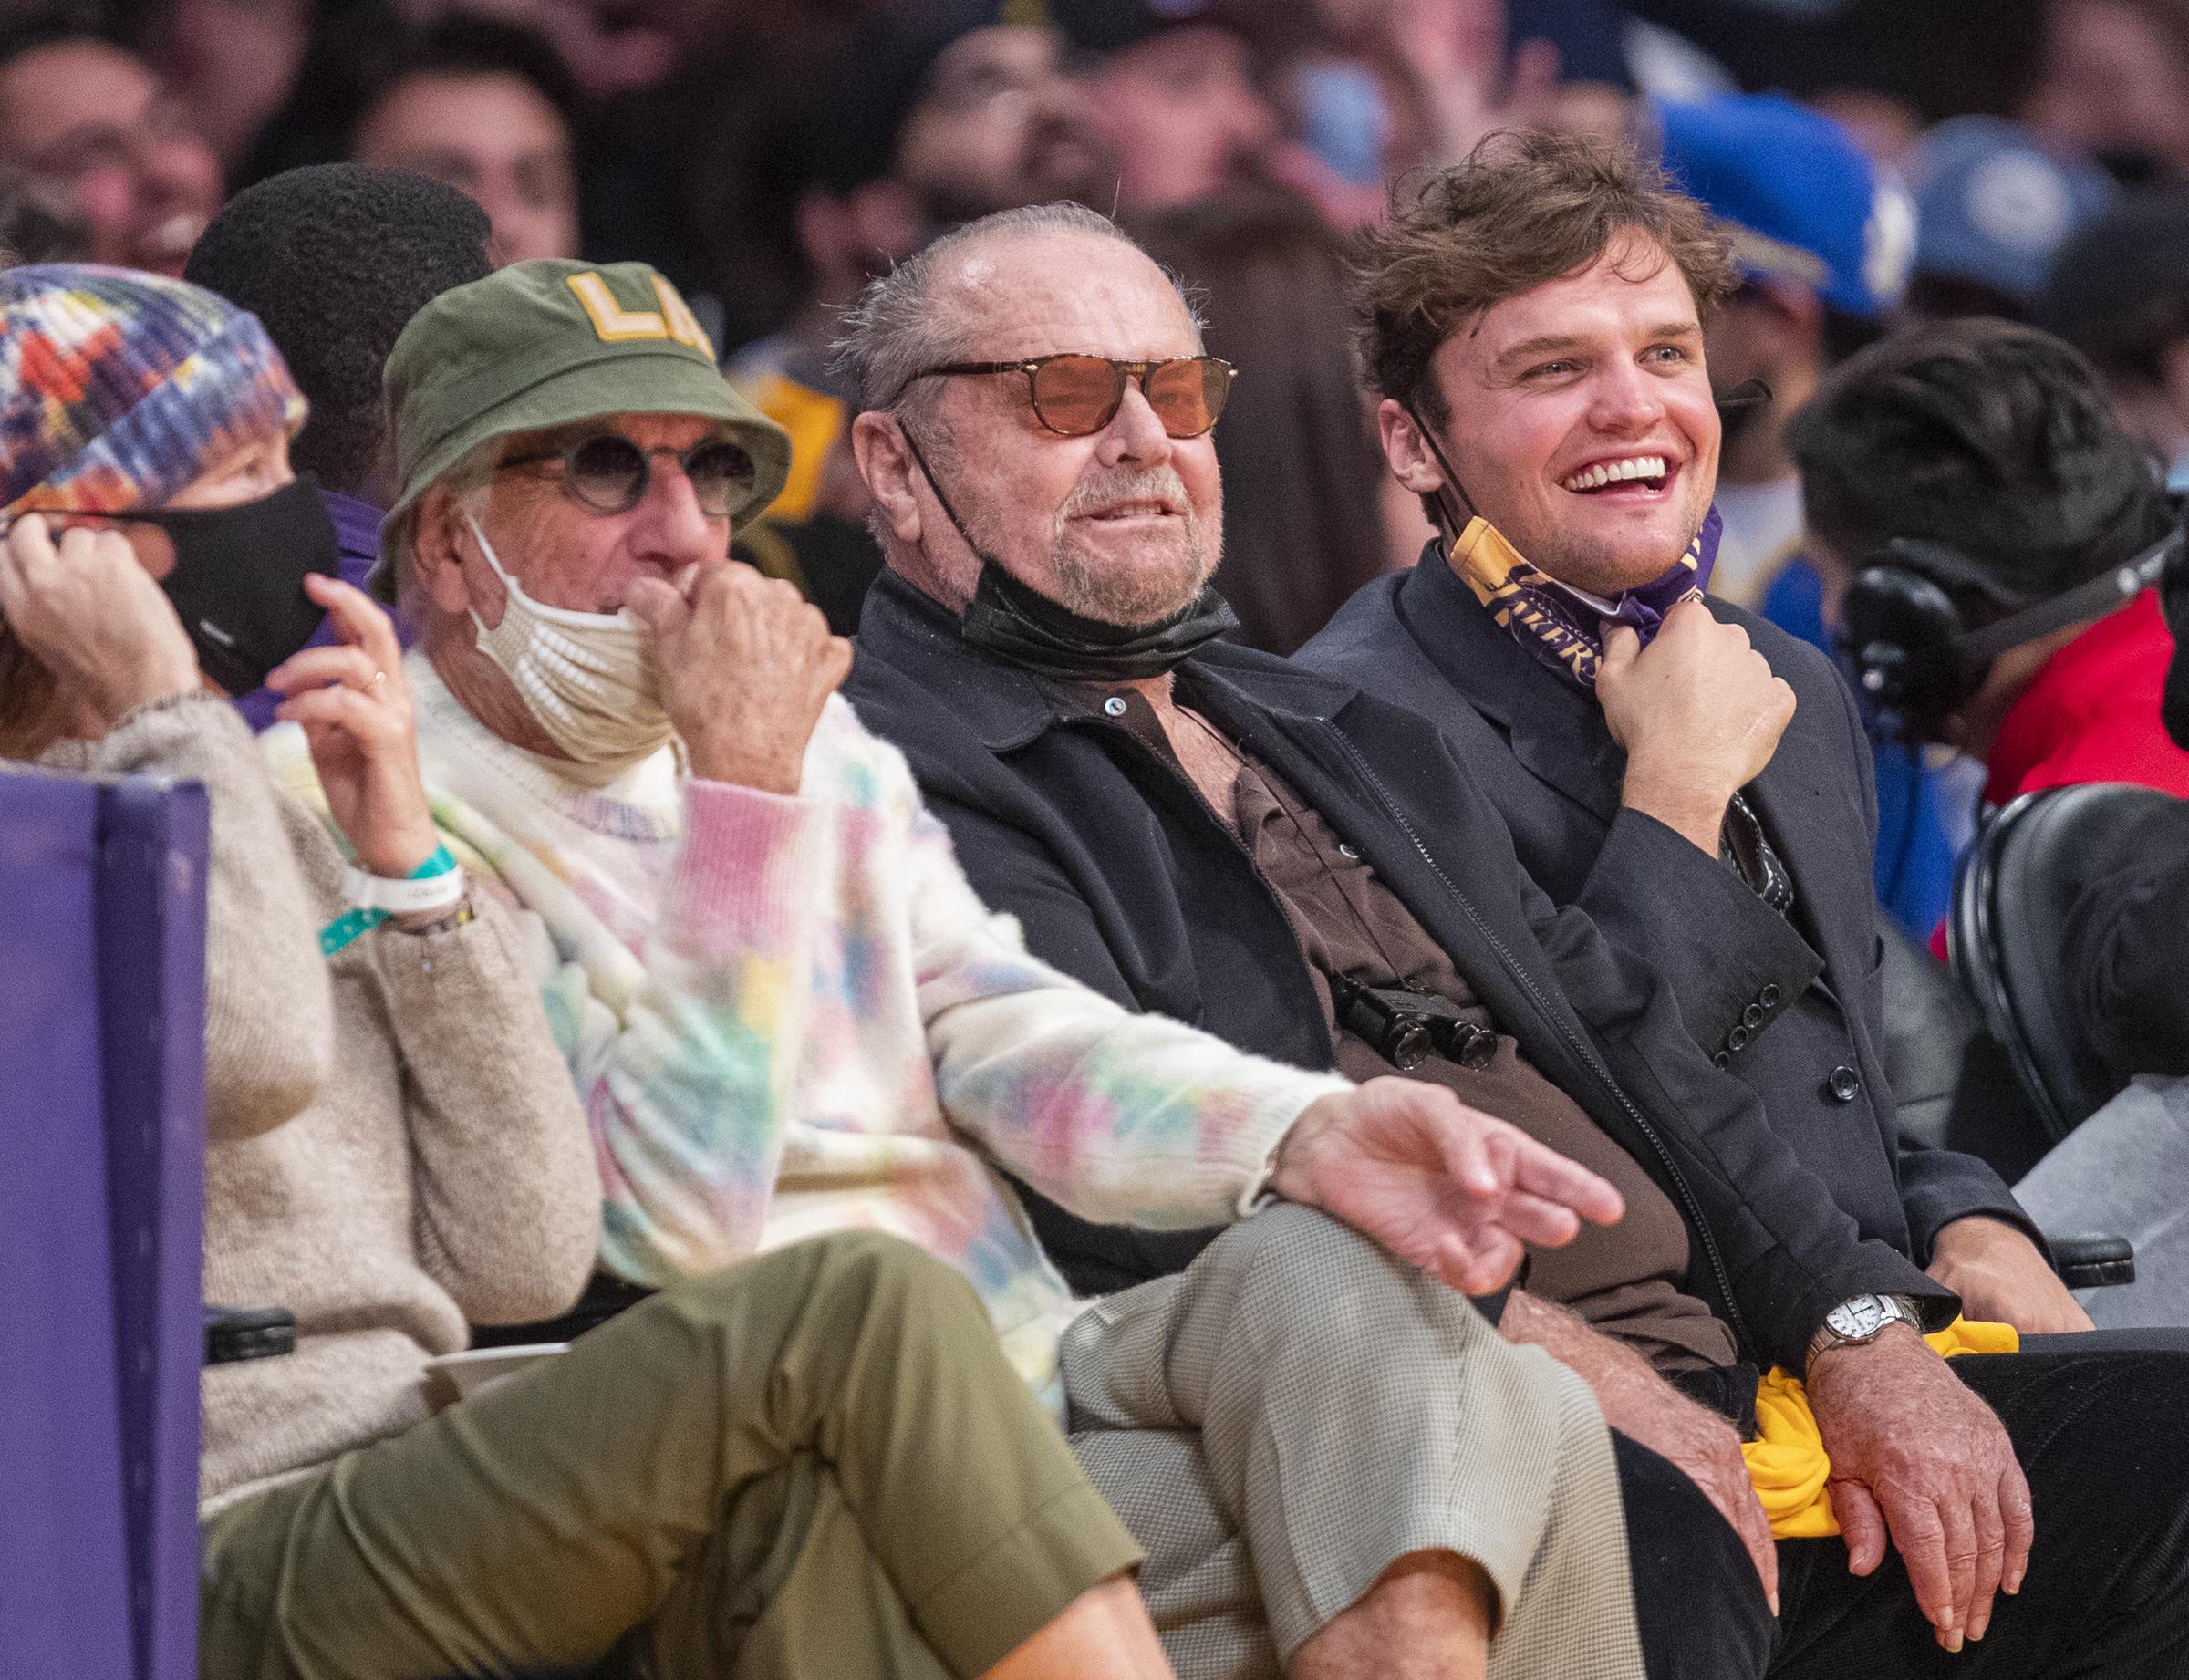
column 1787, row 1460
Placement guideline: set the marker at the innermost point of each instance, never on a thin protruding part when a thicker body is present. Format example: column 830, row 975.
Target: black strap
column 2102, row 595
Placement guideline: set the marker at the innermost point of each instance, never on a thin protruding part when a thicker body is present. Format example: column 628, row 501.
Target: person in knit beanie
column 161, row 415
column 118, row 390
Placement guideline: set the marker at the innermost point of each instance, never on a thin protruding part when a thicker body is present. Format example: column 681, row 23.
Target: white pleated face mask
column 589, row 680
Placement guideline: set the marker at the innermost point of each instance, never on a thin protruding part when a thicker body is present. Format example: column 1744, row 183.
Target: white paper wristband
column 377, row 892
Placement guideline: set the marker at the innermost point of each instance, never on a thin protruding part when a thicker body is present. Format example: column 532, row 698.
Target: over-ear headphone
column 1911, row 646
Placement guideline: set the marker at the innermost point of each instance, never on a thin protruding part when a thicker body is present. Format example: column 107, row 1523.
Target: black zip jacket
column 1121, row 878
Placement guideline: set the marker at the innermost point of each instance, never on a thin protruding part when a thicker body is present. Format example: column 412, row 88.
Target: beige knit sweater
column 395, row 1146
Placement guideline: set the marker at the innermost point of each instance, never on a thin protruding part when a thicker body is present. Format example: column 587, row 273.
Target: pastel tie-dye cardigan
column 793, row 1015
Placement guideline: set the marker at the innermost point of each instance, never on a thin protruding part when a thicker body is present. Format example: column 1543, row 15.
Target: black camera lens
column 1465, row 1043
column 1408, row 1044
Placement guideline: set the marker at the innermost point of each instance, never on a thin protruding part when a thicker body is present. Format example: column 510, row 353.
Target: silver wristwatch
column 1863, row 1319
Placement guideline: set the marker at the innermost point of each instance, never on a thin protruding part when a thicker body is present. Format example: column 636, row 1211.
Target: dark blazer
column 1120, row 876
column 1795, row 1011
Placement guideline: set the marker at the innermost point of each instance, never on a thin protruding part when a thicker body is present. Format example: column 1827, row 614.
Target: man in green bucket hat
column 578, row 412
column 788, row 1014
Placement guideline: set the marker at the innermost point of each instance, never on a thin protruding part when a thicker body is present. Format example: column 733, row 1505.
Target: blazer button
column 1347, row 851
column 1752, row 1016
column 1723, row 1059
column 1844, row 1083
column 1738, row 1039
column 1113, row 707
column 1769, row 997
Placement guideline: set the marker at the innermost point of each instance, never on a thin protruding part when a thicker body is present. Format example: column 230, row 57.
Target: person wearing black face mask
column 157, row 413
column 159, row 551
column 239, row 578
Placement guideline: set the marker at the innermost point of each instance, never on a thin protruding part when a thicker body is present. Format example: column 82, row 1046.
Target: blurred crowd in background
column 1875, row 161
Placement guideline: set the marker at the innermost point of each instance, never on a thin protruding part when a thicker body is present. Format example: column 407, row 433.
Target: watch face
column 1858, row 1320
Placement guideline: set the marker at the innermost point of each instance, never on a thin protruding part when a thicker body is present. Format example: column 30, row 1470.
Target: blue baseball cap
column 1797, row 198
column 1993, row 203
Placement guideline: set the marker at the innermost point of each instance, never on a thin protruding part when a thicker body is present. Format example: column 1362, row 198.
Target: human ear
column 877, row 444
column 154, row 549
column 437, row 535
column 1413, row 462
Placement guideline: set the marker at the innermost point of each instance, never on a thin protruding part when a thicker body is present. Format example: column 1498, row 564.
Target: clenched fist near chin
column 1700, row 713
column 746, row 667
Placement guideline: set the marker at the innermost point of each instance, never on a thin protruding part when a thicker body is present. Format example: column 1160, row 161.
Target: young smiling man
column 1534, row 323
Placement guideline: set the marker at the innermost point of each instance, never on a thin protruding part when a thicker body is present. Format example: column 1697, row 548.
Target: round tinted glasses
column 611, row 473
column 1074, row 395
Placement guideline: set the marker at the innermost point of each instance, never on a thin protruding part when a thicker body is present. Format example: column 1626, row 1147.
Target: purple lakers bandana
column 1560, row 625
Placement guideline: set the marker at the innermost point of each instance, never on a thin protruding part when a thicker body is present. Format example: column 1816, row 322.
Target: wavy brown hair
column 1525, row 208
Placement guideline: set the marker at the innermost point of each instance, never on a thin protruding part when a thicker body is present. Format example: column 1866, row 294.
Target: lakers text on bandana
column 1560, row 625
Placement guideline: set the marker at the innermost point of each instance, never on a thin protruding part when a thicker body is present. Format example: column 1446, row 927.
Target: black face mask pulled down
column 1019, row 623
column 238, row 579
column 1007, row 618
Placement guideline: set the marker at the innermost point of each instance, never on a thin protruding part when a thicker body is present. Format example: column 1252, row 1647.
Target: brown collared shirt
column 1625, row 1278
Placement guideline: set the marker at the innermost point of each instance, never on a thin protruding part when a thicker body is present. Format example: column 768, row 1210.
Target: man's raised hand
column 1699, row 713
column 746, row 667
column 1453, row 1190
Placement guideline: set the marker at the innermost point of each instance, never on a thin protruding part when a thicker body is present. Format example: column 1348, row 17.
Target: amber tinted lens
column 1077, row 394
column 607, row 471
column 722, row 476
column 1187, row 396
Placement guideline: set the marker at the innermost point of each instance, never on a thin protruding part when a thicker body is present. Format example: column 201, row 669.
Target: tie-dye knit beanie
column 119, row 389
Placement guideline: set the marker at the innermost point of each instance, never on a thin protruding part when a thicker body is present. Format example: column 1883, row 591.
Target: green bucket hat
column 547, row 343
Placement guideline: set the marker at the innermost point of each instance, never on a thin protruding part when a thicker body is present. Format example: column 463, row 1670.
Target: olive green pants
column 818, row 1463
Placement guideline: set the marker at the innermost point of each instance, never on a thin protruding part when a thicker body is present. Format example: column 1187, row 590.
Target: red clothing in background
column 2092, row 713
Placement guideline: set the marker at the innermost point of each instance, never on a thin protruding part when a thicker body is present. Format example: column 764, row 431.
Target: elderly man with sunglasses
column 789, row 1014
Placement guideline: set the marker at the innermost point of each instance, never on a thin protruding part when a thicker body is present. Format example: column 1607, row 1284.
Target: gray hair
column 890, row 334
column 469, row 479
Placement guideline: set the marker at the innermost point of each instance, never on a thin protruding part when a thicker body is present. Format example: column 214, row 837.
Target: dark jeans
column 1699, row 1606
column 2098, row 1428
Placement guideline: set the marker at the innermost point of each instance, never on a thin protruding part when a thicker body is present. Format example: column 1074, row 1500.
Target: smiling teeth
column 1611, row 472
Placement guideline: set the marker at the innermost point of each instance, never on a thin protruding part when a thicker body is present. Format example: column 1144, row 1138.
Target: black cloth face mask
column 238, row 579
column 1013, row 620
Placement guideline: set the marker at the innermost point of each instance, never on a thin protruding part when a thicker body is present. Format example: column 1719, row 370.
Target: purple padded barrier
column 101, row 1206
